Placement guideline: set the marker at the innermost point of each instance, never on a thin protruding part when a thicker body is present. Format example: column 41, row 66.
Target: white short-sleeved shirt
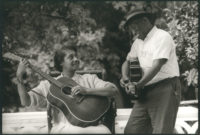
column 158, row 44
column 60, row 123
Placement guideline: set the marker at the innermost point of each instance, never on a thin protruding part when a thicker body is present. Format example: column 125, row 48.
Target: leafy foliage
column 38, row 28
column 183, row 25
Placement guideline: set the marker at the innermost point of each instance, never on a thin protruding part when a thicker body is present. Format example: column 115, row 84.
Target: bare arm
column 125, row 66
column 157, row 64
column 109, row 90
column 24, row 97
column 105, row 91
column 125, row 71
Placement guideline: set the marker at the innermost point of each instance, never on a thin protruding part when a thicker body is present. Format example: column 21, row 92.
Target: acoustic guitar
column 135, row 74
column 80, row 110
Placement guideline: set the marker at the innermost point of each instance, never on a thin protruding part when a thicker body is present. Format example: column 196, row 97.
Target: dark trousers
column 156, row 111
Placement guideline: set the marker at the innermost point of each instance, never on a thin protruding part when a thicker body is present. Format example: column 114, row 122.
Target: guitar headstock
column 11, row 56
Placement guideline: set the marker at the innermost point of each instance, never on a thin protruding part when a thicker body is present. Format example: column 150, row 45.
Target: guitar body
column 80, row 110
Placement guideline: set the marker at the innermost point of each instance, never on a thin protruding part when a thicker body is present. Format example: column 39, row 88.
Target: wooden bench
column 36, row 122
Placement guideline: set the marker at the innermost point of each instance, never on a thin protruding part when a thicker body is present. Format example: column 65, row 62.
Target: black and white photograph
column 99, row 67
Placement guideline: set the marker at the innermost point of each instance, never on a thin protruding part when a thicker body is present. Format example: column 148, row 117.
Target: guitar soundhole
column 66, row 90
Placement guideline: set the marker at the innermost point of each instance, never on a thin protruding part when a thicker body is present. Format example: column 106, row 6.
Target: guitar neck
column 135, row 72
column 44, row 75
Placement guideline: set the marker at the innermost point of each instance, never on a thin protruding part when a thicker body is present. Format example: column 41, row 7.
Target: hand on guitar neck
column 131, row 88
column 124, row 81
column 131, row 74
column 22, row 69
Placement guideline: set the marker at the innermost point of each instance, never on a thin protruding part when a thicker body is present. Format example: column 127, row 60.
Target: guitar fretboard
column 44, row 75
column 49, row 78
column 135, row 72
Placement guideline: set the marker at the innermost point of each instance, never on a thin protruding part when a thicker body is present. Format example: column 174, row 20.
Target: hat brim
column 130, row 18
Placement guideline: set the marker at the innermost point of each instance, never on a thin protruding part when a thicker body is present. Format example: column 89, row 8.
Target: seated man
column 67, row 63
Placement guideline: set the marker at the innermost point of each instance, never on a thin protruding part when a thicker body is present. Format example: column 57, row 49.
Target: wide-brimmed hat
column 135, row 14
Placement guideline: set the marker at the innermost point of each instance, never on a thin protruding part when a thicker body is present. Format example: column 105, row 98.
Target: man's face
column 138, row 27
column 70, row 61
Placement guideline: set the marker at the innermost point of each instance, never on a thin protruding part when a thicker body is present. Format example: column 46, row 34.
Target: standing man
column 159, row 88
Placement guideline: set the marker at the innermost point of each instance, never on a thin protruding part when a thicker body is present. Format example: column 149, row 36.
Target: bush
column 183, row 25
column 36, row 29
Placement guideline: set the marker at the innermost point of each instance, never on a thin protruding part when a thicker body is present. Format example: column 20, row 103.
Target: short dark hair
column 60, row 55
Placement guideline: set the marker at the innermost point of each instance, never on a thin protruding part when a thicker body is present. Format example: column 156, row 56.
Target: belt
column 150, row 86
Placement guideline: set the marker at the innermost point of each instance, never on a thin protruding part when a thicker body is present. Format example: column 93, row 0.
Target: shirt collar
column 151, row 32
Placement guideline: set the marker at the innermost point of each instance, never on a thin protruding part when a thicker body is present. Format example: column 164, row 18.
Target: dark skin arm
column 157, row 64
column 125, row 67
column 125, row 76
